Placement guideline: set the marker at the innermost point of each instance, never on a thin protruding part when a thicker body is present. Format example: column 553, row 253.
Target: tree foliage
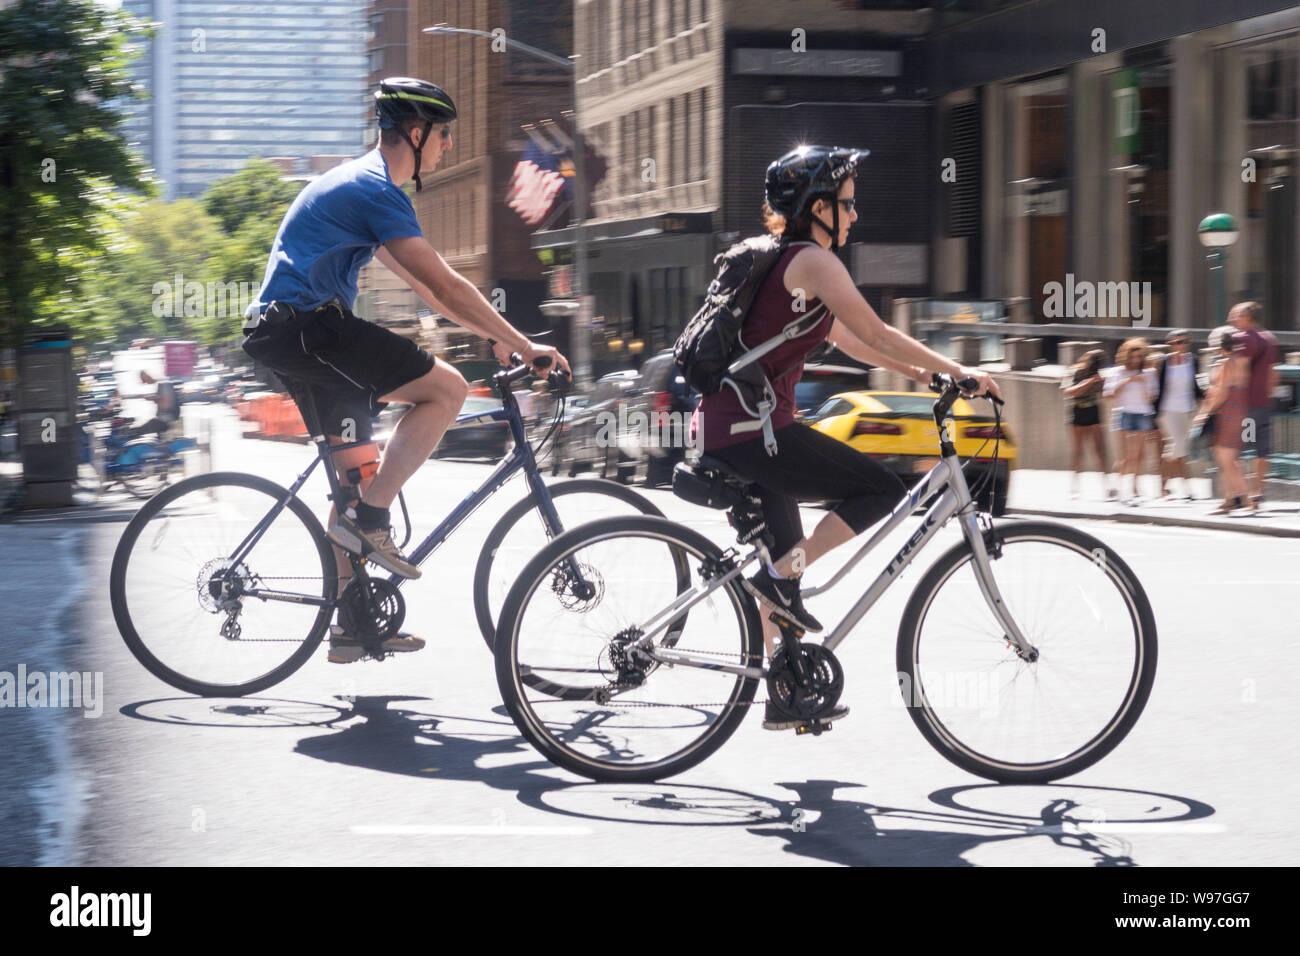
column 63, row 79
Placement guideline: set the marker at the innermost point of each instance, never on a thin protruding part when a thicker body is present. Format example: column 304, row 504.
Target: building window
column 703, row 144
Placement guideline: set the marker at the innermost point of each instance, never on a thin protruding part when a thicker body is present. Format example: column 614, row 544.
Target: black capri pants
column 811, row 466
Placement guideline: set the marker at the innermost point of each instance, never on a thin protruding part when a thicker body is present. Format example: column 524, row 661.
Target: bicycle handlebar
column 555, row 377
column 943, row 383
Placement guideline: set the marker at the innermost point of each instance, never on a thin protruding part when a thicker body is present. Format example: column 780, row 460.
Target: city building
column 1098, row 136
column 689, row 100
column 462, row 208
column 226, row 81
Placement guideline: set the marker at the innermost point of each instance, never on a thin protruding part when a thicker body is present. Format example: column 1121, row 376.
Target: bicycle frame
column 945, row 479
column 521, row 457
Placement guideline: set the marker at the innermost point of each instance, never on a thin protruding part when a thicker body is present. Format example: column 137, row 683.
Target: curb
column 1167, row 520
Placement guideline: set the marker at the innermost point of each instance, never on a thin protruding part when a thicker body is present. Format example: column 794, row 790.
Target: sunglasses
column 846, row 204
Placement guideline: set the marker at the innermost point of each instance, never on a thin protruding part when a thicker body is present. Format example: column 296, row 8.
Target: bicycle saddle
column 711, row 483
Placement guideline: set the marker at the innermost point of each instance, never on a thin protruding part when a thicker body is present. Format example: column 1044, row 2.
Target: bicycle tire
column 154, row 476
column 1108, row 737
column 483, row 611
column 511, row 680
column 121, row 564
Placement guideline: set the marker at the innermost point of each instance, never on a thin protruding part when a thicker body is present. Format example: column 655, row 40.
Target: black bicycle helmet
column 401, row 98
column 802, row 176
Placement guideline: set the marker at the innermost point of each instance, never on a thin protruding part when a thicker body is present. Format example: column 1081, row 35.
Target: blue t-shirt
column 332, row 230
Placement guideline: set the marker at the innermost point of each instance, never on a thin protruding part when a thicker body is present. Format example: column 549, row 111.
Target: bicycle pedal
column 814, row 727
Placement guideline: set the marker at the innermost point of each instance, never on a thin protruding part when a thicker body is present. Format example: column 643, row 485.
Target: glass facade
column 229, row 81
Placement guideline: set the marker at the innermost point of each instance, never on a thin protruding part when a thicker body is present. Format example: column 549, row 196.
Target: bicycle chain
column 720, row 703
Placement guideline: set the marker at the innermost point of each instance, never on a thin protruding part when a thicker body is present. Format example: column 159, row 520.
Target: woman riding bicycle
column 809, row 194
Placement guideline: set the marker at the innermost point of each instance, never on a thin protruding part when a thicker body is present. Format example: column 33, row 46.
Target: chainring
column 372, row 609
column 825, row 685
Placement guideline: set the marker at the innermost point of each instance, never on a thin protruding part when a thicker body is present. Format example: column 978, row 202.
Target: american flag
column 535, row 184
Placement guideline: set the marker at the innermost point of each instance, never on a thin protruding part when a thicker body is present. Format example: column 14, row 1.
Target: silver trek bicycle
column 1026, row 653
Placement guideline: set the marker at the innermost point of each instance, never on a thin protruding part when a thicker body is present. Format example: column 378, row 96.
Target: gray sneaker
column 345, row 649
column 375, row 546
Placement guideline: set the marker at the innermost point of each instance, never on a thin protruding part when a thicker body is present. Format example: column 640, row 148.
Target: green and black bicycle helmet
column 802, row 176
column 401, row 98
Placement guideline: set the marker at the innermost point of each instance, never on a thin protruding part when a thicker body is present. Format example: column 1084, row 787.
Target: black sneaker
column 782, row 596
column 774, row 719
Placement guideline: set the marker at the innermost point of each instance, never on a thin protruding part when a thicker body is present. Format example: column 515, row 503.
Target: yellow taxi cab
column 898, row 429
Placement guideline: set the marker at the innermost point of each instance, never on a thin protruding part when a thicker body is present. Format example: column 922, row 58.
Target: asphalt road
column 412, row 761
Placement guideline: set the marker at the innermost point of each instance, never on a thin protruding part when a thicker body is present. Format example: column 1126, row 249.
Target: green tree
column 62, row 79
column 254, row 193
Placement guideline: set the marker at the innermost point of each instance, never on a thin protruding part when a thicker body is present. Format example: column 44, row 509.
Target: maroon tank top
column 720, row 419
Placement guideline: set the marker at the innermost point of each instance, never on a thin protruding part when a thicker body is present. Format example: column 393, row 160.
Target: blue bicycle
column 224, row 584
column 142, row 465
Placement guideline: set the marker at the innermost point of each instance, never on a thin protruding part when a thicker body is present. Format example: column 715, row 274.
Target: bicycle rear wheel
column 1007, row 719
column 181, row 603
column 520, row 534
column 624, row 718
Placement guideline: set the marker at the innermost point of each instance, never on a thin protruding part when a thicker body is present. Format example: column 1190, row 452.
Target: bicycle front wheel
column 626, row 716
column 189, row 612
column 1007, row 719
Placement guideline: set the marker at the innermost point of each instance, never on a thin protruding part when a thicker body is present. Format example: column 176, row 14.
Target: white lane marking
column 452, row 830
column 1134, row 828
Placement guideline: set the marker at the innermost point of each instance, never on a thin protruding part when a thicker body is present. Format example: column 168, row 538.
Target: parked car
column 481, row 438
column 898, row 429
column 820, row 381
column 205, row 386
column 592, row 436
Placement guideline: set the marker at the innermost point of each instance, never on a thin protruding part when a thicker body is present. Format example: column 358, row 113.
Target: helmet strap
column 833, row 232
column 424, row 138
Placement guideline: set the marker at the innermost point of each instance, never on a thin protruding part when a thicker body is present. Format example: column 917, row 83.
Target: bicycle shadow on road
column 846, row 831
column 414, row 743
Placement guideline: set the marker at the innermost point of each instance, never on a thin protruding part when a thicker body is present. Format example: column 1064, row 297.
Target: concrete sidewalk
column 1035, row 492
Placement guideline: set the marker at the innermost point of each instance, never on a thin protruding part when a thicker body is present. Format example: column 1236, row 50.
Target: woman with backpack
column 810, row 206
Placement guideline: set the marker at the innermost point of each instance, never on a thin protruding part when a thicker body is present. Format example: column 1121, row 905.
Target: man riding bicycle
column 810, row 202
column 302, row 326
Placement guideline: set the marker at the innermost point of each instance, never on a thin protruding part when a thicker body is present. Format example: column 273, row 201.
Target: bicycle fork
column 979, row 539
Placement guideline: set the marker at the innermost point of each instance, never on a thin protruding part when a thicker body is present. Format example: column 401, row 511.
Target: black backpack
column 708, row 343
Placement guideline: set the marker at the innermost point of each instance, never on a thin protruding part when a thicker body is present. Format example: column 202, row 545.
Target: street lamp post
column 1217, row 232
column 581, row 342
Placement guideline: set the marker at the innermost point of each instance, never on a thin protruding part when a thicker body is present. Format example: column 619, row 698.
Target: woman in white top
column 1178, row 395
column 1131, row 386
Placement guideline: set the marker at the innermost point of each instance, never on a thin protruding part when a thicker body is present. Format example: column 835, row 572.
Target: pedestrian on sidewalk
column 1260, row 347
column 1228, row 401
column 1178, row 395
column 1082, row 386
column 1132, row 386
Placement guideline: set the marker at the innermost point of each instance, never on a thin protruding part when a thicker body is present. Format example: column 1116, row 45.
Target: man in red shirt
column 1261, row 347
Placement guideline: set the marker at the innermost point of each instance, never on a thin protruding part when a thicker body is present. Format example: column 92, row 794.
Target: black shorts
column 812, row 466
column 343, row 362
column 1085, row 416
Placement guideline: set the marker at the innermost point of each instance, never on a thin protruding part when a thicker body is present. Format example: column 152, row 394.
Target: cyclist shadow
column 846, row 831
column 398, row 740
